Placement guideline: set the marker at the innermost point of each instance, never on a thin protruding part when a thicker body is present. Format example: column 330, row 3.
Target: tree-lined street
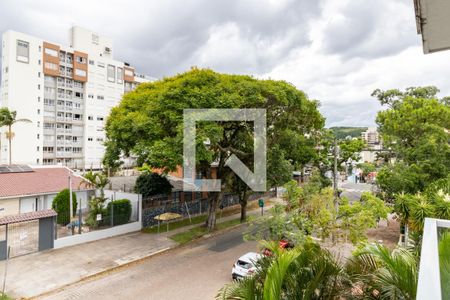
column 196, row 271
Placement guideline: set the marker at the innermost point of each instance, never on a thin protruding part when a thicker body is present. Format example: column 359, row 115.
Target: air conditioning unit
column 107, row 50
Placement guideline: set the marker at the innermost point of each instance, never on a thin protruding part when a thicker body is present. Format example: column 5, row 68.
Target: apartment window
column 51, row 52
column 40, row 48
column 39, row 62
column 80, row 59
column 81, row 73
column 90, row 139
column 100, row 64
column 119, row 75
column 51, row 66
column 90, row 118
column 99, row 118
column 38, row 124
column 37, row 148
column 129, row 72
column 38, row 111
column 38, row 136
column 39, row 99
column 78, row 84
column 99, row 139
column 99, row 97
column 91, row 96
column 111, row 73
column 39, row 74
column 37, row 160
column 39, row 86
column 91, row 62
column 78, row 95
column 23, row 51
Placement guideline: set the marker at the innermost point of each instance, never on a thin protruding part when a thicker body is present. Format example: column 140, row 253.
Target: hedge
column 61, row 204
column 121, row 212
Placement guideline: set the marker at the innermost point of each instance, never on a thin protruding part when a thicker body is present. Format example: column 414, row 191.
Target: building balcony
column 49, row 118
column 48, row 143
column 48, row 154
column 49, row 130
column 49, row 108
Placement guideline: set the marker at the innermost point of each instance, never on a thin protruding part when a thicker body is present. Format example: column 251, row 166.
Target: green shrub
column 121, row 212
column 149, row 184
column 61, row 204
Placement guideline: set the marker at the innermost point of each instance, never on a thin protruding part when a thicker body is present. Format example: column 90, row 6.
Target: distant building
column 66, row 91
column 371, row 136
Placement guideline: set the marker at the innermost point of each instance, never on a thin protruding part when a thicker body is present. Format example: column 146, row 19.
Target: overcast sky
column 336, row 51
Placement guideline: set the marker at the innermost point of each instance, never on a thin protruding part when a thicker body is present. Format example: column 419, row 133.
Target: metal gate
column 27, row 233
column 23, row 238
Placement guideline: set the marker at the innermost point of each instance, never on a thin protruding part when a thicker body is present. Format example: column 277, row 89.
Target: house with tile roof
column 26, row 189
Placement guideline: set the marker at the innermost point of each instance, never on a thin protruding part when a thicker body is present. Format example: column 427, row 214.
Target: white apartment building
column 66, row 91
column 371, row 136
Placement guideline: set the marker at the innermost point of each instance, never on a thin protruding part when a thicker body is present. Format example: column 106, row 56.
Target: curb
column 103, row 272
column 136, row 261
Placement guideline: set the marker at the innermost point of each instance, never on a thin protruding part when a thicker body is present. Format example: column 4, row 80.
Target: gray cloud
column 370, row 29
column 337, row 51
column 164, row 37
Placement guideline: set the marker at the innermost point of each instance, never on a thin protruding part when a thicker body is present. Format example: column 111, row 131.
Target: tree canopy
column 416, row 128
column 148, row 123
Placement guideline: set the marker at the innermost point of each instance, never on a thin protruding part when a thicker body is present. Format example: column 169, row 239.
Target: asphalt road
column 353, row 191
column 195, row 271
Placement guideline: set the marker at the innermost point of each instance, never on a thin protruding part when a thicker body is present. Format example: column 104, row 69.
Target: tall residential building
column 371, row 136
column 66, row 91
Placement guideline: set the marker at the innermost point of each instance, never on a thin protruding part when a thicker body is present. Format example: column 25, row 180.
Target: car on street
column 245, row 265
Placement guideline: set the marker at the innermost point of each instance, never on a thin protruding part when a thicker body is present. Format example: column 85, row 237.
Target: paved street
column 353, row 191
column 195, row 271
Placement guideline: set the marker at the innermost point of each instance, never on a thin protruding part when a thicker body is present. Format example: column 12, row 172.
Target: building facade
column 66, row 91
column 371, row 136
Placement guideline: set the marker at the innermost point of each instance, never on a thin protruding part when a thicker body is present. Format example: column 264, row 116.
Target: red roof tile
column 43, row 180
column 28, row 216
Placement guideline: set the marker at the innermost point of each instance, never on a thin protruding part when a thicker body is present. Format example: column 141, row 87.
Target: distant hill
column 342, row 132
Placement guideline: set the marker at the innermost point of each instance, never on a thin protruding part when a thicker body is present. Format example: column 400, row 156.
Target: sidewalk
column 37, row 273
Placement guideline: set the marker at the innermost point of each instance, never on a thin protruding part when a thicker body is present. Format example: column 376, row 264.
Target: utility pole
column 335, row 174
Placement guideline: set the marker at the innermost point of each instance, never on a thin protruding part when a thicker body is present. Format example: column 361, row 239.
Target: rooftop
column 38, row 181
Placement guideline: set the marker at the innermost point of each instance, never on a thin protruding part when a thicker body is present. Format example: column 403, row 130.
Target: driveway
column 195, row 271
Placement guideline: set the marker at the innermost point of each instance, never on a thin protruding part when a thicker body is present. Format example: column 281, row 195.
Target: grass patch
column 196, row 232
column 202, row 218
column 5, row 297
column 176, row 224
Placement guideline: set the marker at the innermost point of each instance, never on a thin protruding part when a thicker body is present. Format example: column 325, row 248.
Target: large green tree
column 415, row 128
column 148, row 123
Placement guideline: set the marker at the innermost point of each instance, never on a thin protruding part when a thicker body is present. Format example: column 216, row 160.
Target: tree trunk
column 211, row 222
column 243, row 200
column 9, row 140
column 243, row 212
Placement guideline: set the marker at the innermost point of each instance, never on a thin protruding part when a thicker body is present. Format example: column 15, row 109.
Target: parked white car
column 245, row 265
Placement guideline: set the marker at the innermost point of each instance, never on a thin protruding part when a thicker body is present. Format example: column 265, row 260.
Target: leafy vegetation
column 415, row 127
column 61, row 204
column 311, row 210
column 341, row 132
column 310, row 272
column 150, row 184
column 119, row 210
column 148, row 123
